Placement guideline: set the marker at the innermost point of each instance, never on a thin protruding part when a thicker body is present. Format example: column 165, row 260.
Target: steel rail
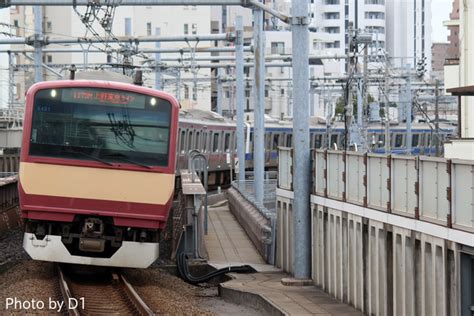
column 66, row 293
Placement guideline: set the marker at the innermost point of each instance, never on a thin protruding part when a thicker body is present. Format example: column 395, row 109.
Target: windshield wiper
column 126, row 159
column 88, row 156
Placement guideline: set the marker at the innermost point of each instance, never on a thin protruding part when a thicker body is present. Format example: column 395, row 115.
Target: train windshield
column 107, row 125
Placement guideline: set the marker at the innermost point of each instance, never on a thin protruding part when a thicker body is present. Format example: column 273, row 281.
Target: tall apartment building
column 408, row 32
column 62, row 21
column 333, row 16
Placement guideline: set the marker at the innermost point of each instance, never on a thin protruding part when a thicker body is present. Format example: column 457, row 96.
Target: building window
column 278, row 48
column 333, row 29
column 374, row 15
column 331, row 2
column 186, row 28
column 374, row 1
column 148, row 28
column 194, row 27
column 49, row 26
column 49, row 59
column 336, row 44
column 186, row 92
column 331, row 15
column 282, row 91
column 128, row 26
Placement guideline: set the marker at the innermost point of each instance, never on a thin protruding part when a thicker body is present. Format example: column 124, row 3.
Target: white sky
column 440, row 10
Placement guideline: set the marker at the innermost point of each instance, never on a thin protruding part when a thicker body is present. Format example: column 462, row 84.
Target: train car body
column 97, row 171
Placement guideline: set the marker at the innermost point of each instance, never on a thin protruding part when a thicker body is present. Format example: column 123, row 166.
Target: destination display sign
column 94, row 96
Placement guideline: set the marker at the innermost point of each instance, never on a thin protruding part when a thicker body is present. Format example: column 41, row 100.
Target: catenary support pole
column 259, row 106
column 240, row 94
column 301, row 171
column 408, row 108
column 437, row 138
column 219, row 92
column 38, row 42
column 11, row 81
column 158, row 84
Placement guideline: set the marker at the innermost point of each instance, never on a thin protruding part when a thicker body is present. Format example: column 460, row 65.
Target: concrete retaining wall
column 253, row 222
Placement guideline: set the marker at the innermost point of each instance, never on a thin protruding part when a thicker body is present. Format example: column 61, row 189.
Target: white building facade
column 137, row 21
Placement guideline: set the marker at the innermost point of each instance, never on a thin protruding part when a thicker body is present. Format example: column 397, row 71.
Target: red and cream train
column 97, row 171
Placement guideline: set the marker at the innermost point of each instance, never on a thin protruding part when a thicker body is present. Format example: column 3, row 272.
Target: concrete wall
column 380, row 269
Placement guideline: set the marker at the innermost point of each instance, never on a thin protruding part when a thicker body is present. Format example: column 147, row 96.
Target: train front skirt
column 129, row 255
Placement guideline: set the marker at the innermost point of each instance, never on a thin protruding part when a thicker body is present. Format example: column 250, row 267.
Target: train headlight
column 54, row 93
column 153, row 101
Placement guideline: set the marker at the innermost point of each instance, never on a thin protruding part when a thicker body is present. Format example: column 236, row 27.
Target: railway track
column 106, row 294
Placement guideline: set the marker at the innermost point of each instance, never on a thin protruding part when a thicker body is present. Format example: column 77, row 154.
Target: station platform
column 228, row 244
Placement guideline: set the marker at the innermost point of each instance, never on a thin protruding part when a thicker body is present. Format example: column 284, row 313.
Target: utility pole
column 38, row 42
column 302, row 163
column 240, row 95
column 259, row 106
column 437, row 140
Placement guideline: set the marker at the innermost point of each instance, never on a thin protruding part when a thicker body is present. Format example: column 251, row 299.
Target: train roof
column 203, row 117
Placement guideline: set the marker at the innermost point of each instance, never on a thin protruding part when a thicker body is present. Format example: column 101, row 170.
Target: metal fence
column 247, row 189
column 436, row 190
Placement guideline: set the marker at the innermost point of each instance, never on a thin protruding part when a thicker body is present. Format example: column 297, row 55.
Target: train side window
column 276, row 141
column 398, row 141
column 428, row 140
column 215, row 142
column 380, row 140
column 415, row 140
column 227, row 142
column 333, row 141
column 190, row 140
column 198, row 140
column 318, row 141
column 289, row 138
column 182, row 141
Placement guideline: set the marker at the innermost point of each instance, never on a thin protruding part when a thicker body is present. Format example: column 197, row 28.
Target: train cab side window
column 227, row 142
column 415, row 140
column 215, row 142
column 276, row 141
column 398, row 141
